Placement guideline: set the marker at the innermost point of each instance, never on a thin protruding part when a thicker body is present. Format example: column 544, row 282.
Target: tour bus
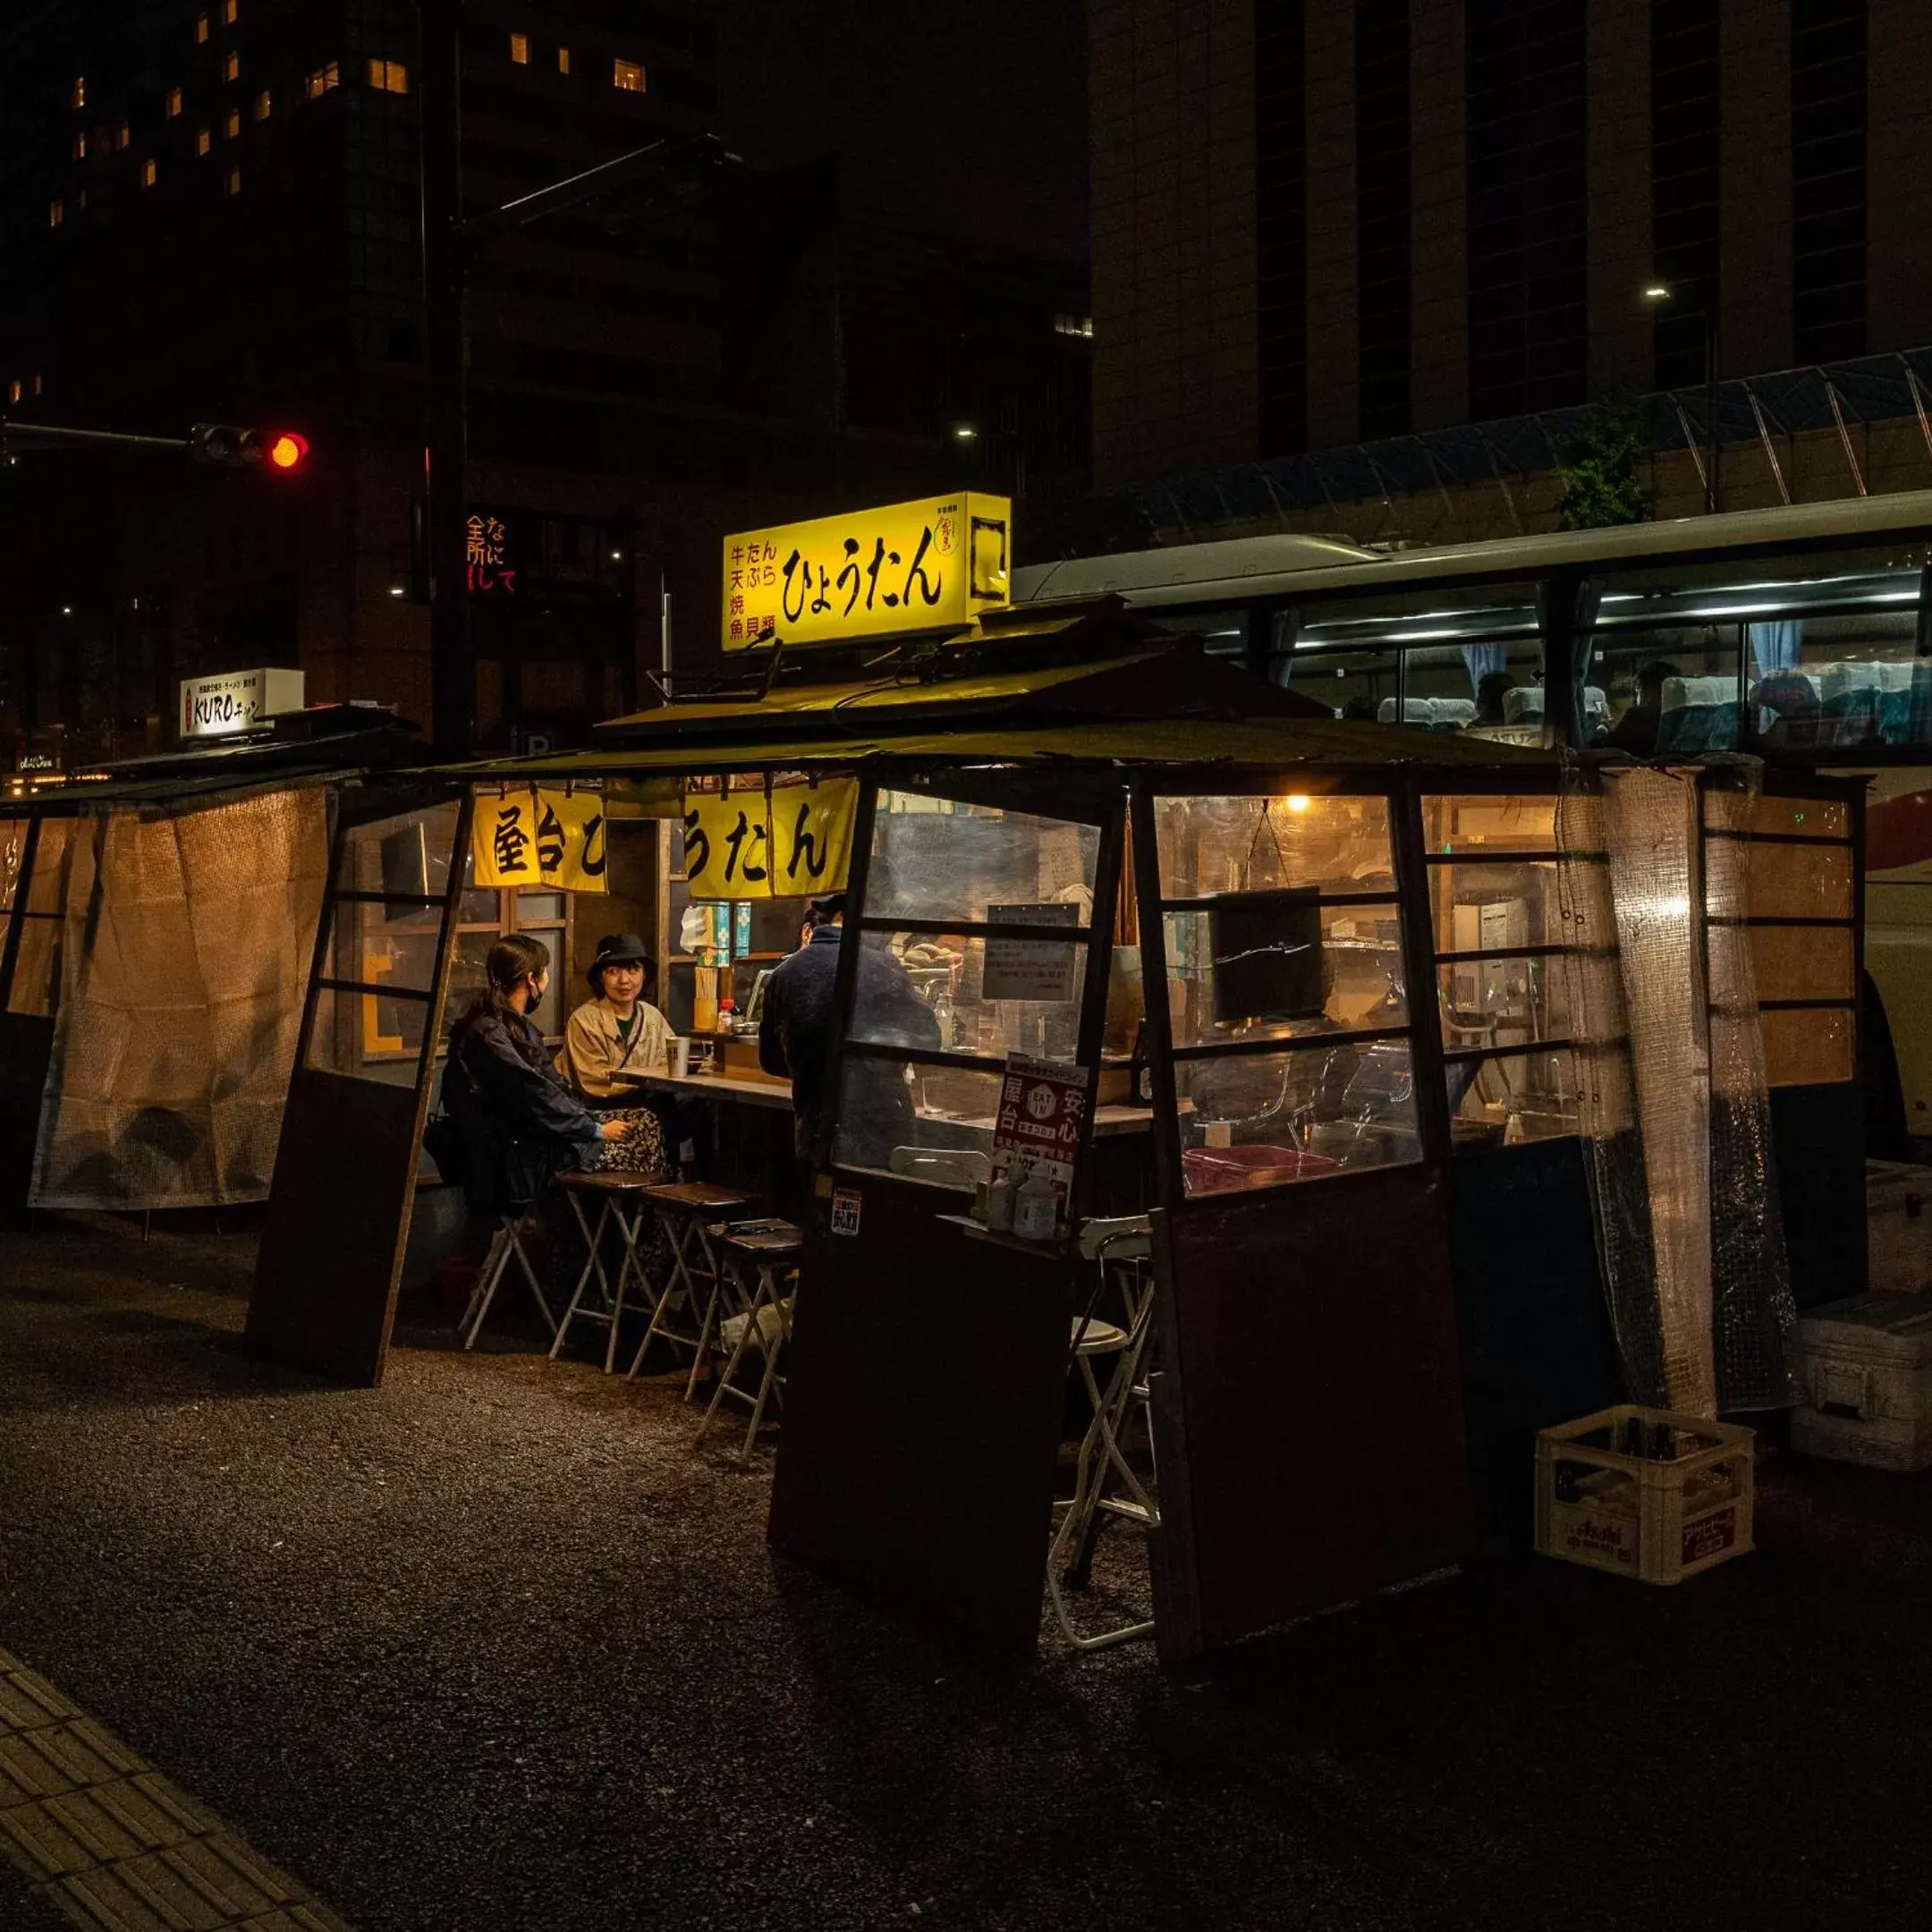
column 1802, row 634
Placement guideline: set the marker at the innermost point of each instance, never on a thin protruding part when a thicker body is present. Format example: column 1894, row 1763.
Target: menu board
column 1031, row 969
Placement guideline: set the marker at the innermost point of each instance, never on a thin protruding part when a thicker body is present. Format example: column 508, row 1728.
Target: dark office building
column 1322, row 223
column 210, row 210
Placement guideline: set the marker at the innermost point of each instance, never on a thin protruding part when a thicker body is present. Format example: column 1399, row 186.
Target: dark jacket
column 519, row 1122
column 796, row 1034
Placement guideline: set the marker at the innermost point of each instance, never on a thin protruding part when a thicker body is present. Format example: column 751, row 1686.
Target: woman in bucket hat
column 618, row 1030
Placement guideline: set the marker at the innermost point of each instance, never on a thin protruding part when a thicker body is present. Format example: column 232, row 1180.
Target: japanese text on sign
column 487, row 546
column 539, row 837
column 784, row 843
column 908, row 567
column 1027, row 969
column 1042, row 1107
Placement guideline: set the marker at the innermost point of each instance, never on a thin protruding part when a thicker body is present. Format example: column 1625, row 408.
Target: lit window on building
column 264, row 105
column 14, row 390
column 124, row 134
column 628, row 76
column 204, row 140
column 232, row 185
column 37, row 386
column 79, row 146
column 230, row 9
column 148, row 173
column 563, row 60
column 232, row 126
column 231, row 67
column 520, row 49
column 56, row 215
column 80, row 90
column 173, row 104
column 201, row 29
column 388, row 77
column 323, row 80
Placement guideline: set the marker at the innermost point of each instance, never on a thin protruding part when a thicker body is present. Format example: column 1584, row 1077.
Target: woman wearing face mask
column 519, row 1123
column 619, row 1031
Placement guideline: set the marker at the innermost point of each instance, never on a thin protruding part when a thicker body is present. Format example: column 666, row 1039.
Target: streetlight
column 1660, row 295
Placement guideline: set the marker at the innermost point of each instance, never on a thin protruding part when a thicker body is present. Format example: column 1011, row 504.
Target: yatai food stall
column 1320, row 1000
column 156, row 915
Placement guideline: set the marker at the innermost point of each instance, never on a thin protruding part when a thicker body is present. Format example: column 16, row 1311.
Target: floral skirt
column 642, row 1151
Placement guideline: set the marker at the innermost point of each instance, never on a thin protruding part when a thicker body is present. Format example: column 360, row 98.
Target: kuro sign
column 234, row 702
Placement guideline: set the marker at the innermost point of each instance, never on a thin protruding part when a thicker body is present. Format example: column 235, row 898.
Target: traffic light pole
column 450, row 243
column 445, row 350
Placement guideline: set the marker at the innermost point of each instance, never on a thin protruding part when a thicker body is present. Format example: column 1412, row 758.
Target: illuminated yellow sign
column 915, row 566
column 538, row 835
column 781, row 842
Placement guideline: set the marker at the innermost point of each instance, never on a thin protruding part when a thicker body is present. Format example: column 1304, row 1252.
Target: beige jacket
column 592, row 1052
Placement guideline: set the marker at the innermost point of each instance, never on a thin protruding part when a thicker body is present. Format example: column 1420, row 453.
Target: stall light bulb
column 1298, row 801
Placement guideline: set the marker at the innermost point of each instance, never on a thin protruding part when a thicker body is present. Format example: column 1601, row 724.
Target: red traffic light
column 227, row 447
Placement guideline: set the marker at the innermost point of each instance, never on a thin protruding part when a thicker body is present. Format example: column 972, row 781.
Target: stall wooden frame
column 951, row 1525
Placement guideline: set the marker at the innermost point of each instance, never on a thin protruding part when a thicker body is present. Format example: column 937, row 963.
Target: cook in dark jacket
column 795, row 1034
column 519, row 1121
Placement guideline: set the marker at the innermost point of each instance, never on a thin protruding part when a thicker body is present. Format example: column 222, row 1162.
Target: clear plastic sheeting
column 1606, row 1093
column 1754, row 1317
column 1673, row 1103
column 13, row 856
column 189, row 941
column 1650, row 821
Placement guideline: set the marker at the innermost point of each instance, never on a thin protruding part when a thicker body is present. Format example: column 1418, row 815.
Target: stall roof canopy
column 163, row 778
column 177, row 789
column 1175, row 679
column 1259, row 742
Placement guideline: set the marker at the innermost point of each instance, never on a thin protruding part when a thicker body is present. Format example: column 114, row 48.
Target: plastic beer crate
column 1657, row 1517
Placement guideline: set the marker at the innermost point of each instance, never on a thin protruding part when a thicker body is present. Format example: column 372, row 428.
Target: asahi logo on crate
column 1593, row 1537
column 1652, row 1494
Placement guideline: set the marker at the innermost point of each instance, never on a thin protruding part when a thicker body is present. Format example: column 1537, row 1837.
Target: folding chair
column 685, row 1208
column 772, row 1252
column 612, row 1191
column 507, row 1241
column 1105, row 1483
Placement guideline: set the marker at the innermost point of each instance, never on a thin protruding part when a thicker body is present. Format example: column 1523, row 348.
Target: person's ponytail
column 514, row 958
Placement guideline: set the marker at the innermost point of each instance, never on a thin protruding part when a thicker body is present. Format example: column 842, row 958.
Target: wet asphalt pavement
column 490, row 1648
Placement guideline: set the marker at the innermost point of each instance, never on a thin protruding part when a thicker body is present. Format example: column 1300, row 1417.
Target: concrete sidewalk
column 490, row 1648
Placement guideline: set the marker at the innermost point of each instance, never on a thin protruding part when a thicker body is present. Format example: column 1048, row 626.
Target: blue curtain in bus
column 1774, row 646
column 1481, row 660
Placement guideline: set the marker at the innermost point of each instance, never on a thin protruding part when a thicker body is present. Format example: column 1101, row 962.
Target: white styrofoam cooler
column 1865, row 1368
column 1898, row 1220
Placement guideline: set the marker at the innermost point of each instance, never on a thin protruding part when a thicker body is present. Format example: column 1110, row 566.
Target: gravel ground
column 490, row 1648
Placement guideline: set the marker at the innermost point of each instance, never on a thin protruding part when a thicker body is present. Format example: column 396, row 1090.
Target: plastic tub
column 1219, row 1170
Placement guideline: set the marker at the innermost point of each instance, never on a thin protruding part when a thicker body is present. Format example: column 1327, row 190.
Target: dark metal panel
column 1818, row 1139
column 26, row 1045
column 926, row 1384
column 338, row 1207
column 1537, row 1345
column 330, row 1263
column 1319, row 1397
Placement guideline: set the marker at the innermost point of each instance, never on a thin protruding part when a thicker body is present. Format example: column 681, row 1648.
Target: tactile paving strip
column 115, row 1844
